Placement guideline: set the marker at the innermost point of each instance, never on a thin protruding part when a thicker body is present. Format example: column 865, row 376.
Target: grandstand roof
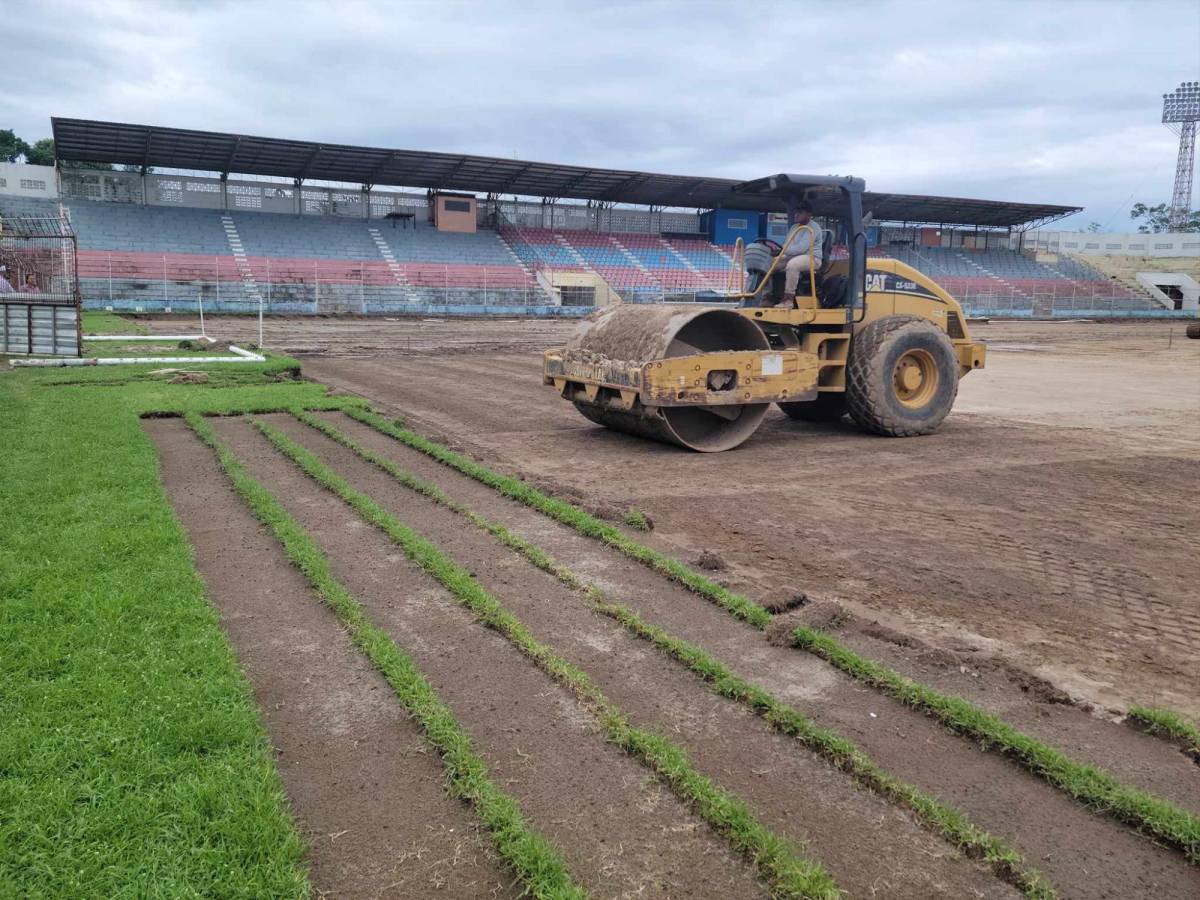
column 214, row 151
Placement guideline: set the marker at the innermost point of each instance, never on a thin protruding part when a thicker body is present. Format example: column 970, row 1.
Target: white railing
column 318, row 285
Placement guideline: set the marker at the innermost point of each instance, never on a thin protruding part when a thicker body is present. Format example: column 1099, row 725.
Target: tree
column 11, row 146
column 1093, row 227
column 41, row 153
column 1157, row 218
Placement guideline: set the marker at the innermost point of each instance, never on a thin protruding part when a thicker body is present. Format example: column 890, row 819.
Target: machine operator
column 804, row 251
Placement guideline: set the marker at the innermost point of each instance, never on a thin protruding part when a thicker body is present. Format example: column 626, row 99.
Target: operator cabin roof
column 215, row 151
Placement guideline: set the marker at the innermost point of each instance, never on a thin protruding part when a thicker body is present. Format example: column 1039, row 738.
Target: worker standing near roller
column 802, row 252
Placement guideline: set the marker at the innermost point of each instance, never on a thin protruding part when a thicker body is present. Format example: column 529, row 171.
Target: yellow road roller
column 874, row 338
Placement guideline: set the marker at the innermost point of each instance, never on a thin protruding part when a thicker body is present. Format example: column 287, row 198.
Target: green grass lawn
column 132, row 758
column 104, row 349
column 99, row 322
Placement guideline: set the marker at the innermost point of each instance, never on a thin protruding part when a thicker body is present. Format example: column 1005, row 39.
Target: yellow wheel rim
column 916, row 378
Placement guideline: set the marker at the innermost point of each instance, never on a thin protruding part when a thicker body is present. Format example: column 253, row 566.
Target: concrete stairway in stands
column 574, row 254
column 542, row 285
column 687, row 263
column 1013, row 289
column 239, row 258
column 1124, row 269
column 633, row 260
column 390, row 258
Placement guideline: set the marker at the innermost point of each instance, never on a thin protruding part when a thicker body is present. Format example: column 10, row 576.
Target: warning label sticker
column 772, row 364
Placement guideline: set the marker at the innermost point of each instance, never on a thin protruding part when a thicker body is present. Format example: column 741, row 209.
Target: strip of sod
column 1168, row 724
column 572, row 516
column 1097, row 789
column 781, row 864
column 1085, row 783
column 534, row 859
column 132, row 758
column 950, row 823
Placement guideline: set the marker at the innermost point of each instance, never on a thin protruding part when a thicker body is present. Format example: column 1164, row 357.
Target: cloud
column 1042, row 102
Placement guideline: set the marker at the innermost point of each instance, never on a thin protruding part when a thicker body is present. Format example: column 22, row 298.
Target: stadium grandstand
column 324, row 228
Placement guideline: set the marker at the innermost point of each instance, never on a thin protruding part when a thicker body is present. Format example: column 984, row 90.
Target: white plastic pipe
column 242, row 356
column 148, row 337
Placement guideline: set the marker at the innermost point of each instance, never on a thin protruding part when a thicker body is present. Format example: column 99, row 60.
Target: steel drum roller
column 635, row 335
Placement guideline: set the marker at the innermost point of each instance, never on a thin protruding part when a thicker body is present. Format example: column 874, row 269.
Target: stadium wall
column 22, row 180
column 1126, row 244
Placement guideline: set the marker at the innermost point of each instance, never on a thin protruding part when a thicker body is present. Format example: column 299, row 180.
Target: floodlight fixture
column 1181, row 111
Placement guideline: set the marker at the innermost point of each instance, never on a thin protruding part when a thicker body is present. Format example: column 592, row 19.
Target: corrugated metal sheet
column 38, row 329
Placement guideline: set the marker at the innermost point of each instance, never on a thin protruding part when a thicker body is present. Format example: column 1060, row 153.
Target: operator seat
column 826, row 255
column 831, row 292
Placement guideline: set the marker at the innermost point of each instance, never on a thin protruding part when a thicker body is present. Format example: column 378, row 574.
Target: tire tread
column 867, row 405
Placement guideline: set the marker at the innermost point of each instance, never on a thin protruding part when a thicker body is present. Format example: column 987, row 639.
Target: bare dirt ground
column 1035, row 552
column 1053, row 520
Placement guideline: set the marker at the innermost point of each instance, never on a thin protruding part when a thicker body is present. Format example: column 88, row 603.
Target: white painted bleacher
column 129, row 227
column 27, row 206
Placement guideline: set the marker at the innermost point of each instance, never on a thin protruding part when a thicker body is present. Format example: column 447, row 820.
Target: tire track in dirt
column 420, row 387
column 867, row 844
column 621, row 833
column 359, row 776
column 1082, row 853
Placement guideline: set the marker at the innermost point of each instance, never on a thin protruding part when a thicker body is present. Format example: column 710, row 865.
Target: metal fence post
column 217, row 260
column 164, row 262
column 362, row 289
column 110, row 297
column 268, row 280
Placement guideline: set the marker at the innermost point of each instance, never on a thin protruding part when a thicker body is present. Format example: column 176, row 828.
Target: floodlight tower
column 1181, row 111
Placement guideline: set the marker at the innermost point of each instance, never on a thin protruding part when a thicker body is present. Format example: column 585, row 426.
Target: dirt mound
column 821, row 615
column 190, row 378
column 709, row 561
column 785, row 604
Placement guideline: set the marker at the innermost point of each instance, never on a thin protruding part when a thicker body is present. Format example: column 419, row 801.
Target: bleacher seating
column 543, row 248
column 707, row 259
column 167, row 254
column 639, row 264
column 611, row 261
column 28, row 206
column 128, row 227
column 159, row 253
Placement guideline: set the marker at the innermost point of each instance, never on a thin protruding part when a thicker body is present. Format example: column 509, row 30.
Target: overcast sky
column 1055, row 102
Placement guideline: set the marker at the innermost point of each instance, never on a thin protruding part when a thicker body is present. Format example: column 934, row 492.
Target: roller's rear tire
column 1193, row 330
column 826, row 408
column 902, row 377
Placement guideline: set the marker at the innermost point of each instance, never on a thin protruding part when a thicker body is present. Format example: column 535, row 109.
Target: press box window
column 458, row 206
column 737, row 224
